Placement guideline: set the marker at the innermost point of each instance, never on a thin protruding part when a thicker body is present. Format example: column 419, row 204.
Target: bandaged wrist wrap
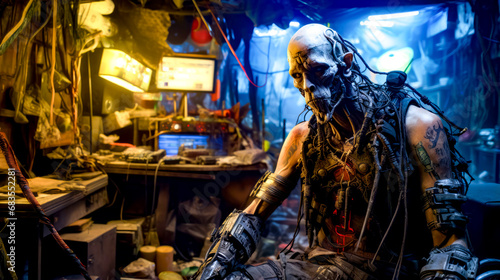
column 272, row 188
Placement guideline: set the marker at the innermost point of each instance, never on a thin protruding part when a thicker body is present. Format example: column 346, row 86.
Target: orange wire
column 53, row 62
column 234, row 53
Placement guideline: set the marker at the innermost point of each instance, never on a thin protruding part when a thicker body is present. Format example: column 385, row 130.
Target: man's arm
column 442, row 197
column 431, row 152
column 286, row 168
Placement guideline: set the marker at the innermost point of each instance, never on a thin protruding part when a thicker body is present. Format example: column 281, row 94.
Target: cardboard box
column 95, row 247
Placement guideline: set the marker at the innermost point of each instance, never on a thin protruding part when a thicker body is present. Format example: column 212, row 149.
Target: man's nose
column 308, row 85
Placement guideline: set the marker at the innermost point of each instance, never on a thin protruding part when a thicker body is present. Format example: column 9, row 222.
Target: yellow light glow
column 120, row 62
column 119, row 68
column 122, row 83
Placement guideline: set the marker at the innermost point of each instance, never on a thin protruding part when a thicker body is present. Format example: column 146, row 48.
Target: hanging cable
column 53, row 64
column 20, row 25
column 234, row 53
column 202, row 18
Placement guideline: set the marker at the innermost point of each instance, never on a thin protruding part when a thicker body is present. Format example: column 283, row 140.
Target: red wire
column 234, row 53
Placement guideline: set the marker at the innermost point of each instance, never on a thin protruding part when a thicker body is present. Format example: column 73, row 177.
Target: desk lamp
column 121, row 69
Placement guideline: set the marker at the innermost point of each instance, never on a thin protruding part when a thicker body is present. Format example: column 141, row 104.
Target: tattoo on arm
column 424, row 158
column 444, row 160
column 433, row 134
column 291, row 150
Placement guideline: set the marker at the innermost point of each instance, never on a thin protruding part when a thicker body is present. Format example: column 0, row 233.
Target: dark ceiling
column 273, row 11
column 150, row 22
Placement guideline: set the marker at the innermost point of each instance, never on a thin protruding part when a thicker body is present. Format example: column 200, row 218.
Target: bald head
column 307, row 37
column 315, row 55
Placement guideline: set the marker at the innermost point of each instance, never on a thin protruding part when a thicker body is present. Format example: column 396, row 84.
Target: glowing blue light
column 375, row 23
column 294, row 24
column 273, row 30
column 392, row 16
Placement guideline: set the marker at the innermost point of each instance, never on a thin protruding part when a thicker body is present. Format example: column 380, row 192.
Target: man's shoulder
column 416, row 117
column 418, row 120
column 300, row 130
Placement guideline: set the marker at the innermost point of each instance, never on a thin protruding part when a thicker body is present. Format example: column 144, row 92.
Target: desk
column 177, row 170
column 179, row 183
column 62, row 209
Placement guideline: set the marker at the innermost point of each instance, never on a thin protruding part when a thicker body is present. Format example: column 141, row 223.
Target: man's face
column 313, row 70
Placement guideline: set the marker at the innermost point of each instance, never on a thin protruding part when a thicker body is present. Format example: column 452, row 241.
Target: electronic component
column 143, row 156
column 206, row 160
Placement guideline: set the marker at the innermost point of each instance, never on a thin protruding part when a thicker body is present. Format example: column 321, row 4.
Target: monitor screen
column 186, row 74
column 171, row 142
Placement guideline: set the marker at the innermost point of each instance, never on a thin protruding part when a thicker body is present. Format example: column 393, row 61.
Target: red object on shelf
column 199, row 32
column 122, row 145
column 216, row 95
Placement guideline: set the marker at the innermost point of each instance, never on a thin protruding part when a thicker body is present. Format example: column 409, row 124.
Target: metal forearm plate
column 445, row 200
column 272, row 188
column 233, row 244
column 452, row 260
column 243, row 231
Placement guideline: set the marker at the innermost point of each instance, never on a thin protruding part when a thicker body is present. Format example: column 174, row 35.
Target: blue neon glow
column 393, row 16
column 377, row 23
column 171, row 142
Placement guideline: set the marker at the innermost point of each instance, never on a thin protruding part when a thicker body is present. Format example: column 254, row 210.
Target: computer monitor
column 171, row 142
column 187, row 73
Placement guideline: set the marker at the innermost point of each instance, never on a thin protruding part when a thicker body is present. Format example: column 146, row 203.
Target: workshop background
column 141, row 124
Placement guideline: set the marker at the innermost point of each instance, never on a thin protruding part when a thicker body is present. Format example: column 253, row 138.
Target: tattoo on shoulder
column 425, row 160
column 433, row 134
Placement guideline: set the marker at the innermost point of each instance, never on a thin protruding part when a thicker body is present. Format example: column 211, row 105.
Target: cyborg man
column 382, row 184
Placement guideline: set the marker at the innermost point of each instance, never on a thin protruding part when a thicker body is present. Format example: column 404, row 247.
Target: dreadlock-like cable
column 378, row 164
column 306, row 194
column 394, row 164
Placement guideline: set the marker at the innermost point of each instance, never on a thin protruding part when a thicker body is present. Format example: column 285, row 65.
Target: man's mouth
column 323, row 117
column 322, row 109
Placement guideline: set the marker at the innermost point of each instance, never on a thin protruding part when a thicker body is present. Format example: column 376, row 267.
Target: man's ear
column 348, row 57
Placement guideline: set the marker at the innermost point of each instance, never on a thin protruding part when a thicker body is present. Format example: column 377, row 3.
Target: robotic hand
column 233, row 244
column 454, row 262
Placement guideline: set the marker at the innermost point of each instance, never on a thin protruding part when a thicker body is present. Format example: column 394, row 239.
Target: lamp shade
column 121, row 69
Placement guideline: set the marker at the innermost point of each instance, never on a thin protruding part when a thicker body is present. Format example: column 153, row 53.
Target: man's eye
column 320, row 69
column 296, row 76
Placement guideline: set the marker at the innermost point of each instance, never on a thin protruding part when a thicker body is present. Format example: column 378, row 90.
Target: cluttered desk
column 180, row 196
